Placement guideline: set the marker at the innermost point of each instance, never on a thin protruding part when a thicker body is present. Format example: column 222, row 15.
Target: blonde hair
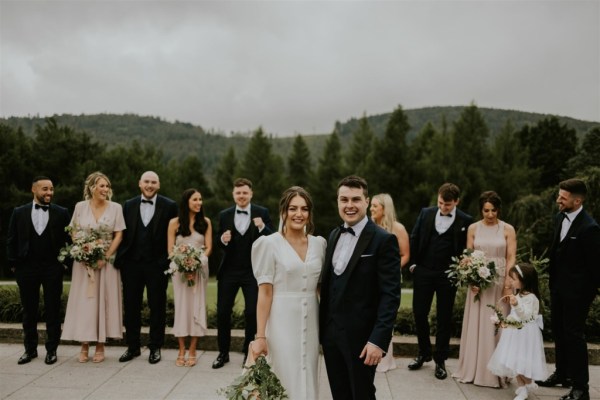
column 389, row 212
column 90, row 184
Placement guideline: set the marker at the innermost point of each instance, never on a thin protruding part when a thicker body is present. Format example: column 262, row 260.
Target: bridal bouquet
column 258, row 382
column 88, row 247
column 186, row 259
column 472, row 268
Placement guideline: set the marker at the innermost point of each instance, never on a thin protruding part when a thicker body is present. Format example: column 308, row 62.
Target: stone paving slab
column 70, row 380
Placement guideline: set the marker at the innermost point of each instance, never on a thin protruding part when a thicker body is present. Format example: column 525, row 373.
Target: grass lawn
column 211, row 295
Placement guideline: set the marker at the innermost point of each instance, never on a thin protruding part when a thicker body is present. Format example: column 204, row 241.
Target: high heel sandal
column 84, row 355
column 191, row 361
column 180, row 362
column 98, row 357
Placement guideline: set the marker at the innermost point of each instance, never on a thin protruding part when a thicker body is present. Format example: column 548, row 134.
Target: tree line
column 524, row 165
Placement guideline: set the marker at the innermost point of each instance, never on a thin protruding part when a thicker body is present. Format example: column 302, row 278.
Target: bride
column 287, row 266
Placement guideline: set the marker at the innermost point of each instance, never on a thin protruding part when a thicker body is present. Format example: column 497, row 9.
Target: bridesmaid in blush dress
column 383, row 214
column 193, row 228
column 497, row 240
column 287, row 266
column 94, row 309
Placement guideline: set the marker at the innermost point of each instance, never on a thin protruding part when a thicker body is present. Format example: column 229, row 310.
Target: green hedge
column 11, row 311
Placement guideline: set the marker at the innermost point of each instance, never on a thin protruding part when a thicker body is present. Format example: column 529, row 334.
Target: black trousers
column 428, row 282
column 569, row 314
column 136, row 277
column 349, row 378
column 50, row 279
column 227, row 289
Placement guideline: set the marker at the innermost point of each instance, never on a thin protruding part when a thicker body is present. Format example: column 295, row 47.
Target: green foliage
column 360, row 148
column 324, row 187
column 257, row 382
column 299, row 167
column 551, row 146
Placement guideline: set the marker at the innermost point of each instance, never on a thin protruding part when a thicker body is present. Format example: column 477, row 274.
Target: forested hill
column 178, row 139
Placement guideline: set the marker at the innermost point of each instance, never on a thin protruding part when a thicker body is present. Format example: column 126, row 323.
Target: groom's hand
column 372, row 354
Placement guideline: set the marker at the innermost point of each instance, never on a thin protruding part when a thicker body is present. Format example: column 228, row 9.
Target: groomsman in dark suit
column 143, row 259
column 239, row 227
column 36, row 234
column 360, row 295
column 439, row 234
column 574, row 282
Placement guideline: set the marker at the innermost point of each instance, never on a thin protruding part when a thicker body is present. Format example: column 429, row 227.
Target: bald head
column 149, row 184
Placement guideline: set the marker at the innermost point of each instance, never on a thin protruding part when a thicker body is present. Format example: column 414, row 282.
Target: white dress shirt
column 345, row 246
column 39, row 218
column 443, row 223
column 147, row 210
column 241, row 220
column 567, row 221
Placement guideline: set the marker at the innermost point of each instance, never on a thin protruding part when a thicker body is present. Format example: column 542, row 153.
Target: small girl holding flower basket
column 520, row 352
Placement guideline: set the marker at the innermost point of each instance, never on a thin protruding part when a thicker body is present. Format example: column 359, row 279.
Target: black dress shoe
column 440, row 370
column 418, row 362
column 51, row 357
column 577, row 394
column 221, row 360
column 154, row 356
column 27, row 357
column 554, row 380
column 129, row 355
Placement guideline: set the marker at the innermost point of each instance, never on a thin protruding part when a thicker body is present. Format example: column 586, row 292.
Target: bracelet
column 260, row 337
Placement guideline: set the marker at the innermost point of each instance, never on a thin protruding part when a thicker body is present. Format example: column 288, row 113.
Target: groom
column 360, row 295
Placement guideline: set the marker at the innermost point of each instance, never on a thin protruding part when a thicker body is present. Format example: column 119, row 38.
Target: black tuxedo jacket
column 575, row 262
column 20, row 227
column 421, row 233
column 165, row 210
column 226, row 222
column 367, row 307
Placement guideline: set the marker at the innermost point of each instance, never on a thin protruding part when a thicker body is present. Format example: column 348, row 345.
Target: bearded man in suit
column 143, row 258
column 360, row 295
column 36, row 234
column 574, row 282
column 239, row 227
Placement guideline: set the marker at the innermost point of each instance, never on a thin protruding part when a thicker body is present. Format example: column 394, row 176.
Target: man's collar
column 359, row 226
column 153, row 198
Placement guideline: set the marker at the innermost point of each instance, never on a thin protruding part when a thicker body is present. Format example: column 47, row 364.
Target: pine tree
column 299, row 164
column 360, row 148
column 224, row 176
column 324, row 186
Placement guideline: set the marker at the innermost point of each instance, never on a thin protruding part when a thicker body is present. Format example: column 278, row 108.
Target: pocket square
column 573, row 237
column 366, row 255
column 462, row 229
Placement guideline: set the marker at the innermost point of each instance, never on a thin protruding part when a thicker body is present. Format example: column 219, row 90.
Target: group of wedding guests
column 302, row 291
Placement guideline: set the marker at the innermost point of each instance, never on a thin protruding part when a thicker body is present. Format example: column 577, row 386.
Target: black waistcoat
column 40, row 248
column 440, row 250
column 143, row 246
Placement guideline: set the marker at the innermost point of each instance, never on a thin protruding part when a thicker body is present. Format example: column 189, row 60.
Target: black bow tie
column 349, row 230
column 241, row 212
column 446, row 215
column 147, row 201
column 44, row 208
column 565, row 216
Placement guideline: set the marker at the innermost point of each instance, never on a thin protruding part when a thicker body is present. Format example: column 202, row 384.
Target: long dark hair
column 200, row 224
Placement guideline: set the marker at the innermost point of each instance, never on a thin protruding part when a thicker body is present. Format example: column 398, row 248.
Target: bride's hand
column 259, row 346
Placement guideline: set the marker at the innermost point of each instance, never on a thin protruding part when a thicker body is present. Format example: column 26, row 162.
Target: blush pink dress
column 94, row 309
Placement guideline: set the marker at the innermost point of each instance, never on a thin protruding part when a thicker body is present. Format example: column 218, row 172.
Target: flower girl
column 520, row 351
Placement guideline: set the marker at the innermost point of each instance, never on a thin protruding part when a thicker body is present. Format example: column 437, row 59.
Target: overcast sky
column 296, row 67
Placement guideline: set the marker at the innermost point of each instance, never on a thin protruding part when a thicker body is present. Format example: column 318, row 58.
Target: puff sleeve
column 263, row 259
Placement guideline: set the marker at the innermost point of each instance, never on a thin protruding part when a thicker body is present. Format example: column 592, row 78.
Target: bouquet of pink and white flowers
column 88, row 247
column 472, row 268
column 186, row 259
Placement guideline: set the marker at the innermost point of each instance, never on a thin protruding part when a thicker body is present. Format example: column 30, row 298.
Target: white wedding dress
column 293, row 325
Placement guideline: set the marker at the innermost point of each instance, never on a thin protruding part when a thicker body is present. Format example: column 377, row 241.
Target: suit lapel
column 135, row 216
column 576, row 225
column 429, row 223
column 28, row 221
column 158, row 212
column 361, row 245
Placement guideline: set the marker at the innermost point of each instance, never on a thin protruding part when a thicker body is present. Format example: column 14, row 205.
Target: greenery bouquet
column 472, row 269
column 88, row 247
column 257, row 382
